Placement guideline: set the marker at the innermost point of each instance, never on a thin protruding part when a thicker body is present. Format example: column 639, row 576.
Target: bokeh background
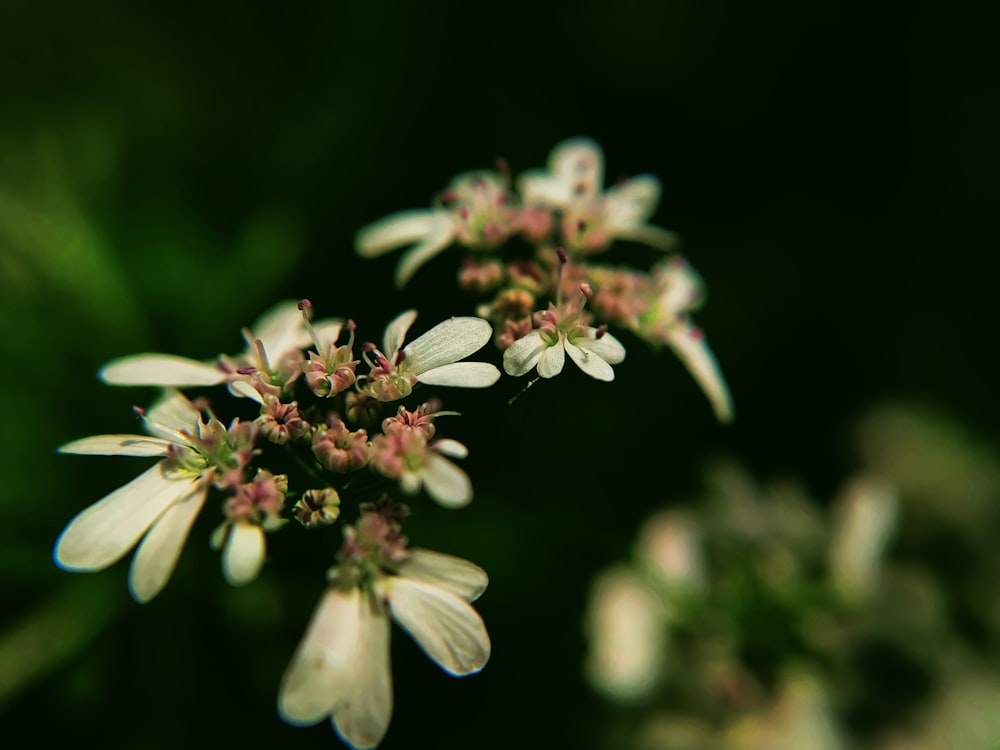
column 168, row 171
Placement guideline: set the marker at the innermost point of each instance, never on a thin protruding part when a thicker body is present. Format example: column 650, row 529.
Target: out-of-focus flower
column 161, row 504
column 476, row 210
column 341, row 667
column 431, row 358
column 627, row 635
column 864, row 517
column 592, row 219
column 669, row 549
column 274, row 345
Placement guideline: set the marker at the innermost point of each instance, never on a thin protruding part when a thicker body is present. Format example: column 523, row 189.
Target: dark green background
column 169, row 171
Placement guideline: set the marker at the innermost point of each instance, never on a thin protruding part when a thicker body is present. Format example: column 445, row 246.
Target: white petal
column 452, row 448
column 607, row 347
column 117, row 445
column 161, row 369
column 361, row 714
column 632, row 202
column 690, row 346
column 681, row 288
column 590, row 363
column 341, row 668
column 156, row 558
column 447, row 342
column 552, row 360
column 104, row 532
column 281, row 330
column 445, row 626
column 441, row 236
column 579, row 162
column 540, row 187
column 446, row 483
column 172, row 415
column 462, row 375
column 396, row 230
column 323, row 663
column 460, row 577
column 243, row 389
column 523, row 354
column 395, row 332
column 243, row 555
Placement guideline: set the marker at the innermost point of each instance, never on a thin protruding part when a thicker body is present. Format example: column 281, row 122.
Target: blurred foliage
column 168, row 171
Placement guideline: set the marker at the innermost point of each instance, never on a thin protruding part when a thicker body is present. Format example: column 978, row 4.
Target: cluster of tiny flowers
column 542, row 308
column 323, row 427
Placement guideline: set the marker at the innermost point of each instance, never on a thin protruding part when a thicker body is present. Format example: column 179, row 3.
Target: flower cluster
column 312, row 424
column 542, row 307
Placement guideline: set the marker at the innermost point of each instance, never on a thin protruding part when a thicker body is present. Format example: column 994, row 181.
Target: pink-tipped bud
column 563, row 256
column 586, row 289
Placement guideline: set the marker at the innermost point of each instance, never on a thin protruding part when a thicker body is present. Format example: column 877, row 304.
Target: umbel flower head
column 341, row 667
column 160, row 505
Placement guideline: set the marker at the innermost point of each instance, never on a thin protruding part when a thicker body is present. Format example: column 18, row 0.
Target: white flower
column 475, row 212
column 561, row 332
column 407, row 455
column 864, row 516
column 277, row 335
column 432, row 358
column 592, row 219
column 160, row 505
column 341, row 667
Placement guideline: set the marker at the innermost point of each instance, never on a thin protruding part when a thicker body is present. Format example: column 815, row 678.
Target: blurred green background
column 168, row 171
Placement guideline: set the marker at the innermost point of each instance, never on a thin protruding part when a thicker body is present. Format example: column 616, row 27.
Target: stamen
column 247, row 370
column 586, row 289
column 600, row 331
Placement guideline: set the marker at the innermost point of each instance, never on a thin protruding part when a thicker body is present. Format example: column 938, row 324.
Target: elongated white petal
column 396, row 230
column 323, row 663
column 690, row 346
column 446, row 483
column 460, row 577
column 552, row 360
column 327, row 333
column 104, row 532
column 395, row 332
column 444, row 625
column 653, row 236
column 117, row 445
column 590, row 363
column 452, row 448
column 462, row 375
column 607, row 347
column 243, row 555
column 447, row 342
column 161, row 369
column 579, row 162
column 361, row 714
column 437, row 240
column 632, row 202
column 172, row 415
column 523, row 354
column 157, row 556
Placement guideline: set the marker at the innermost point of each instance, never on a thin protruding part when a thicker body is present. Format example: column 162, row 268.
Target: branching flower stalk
column 328, row 424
